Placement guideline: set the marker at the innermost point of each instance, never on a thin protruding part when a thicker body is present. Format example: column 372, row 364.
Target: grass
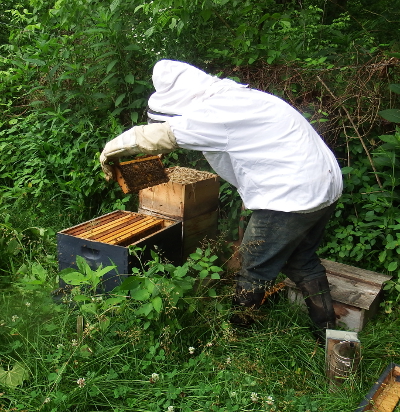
column 125, row 368
column 186, row 361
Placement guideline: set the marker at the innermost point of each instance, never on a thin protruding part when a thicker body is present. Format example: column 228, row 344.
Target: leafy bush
column 56, row 154
column 25, row 253
column 367, row 225
column 156, row 291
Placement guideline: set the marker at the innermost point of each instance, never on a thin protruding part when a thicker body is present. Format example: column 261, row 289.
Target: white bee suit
column 252, row 139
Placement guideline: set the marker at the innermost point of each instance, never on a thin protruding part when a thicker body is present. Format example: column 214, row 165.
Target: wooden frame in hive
column 384, row 396
column 118, row 228
column 140, row 173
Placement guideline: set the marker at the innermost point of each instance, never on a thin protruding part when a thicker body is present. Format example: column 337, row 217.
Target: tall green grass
column 207, row 365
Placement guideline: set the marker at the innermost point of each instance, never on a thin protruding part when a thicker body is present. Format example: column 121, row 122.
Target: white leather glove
column 122, row 145
column 153, row 139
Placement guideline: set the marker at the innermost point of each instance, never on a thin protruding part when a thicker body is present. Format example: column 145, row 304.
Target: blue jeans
column 284, row 242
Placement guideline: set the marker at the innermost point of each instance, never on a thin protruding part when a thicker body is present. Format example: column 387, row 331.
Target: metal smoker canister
column 344, row 361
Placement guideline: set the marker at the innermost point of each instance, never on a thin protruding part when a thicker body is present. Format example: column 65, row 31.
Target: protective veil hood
column 179, row 85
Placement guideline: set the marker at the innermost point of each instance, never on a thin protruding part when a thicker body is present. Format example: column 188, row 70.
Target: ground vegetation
column 73, row 75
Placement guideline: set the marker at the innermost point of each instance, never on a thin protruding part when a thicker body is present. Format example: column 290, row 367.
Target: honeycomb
column 140, row 173
column 184, row 175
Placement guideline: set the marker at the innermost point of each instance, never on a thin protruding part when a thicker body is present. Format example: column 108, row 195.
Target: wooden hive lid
column 351, row 285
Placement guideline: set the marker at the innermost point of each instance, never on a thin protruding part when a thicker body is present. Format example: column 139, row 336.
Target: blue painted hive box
column 106, row 240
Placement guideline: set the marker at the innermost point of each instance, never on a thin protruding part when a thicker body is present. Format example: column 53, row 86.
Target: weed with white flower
column 269, row 400
column 154, row 377
column 81, row 382
column 254, row 397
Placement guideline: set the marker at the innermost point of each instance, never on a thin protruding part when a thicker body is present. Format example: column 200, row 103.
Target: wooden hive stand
column 356, row 293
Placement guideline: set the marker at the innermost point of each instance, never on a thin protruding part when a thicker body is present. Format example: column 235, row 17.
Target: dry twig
column 356, row 131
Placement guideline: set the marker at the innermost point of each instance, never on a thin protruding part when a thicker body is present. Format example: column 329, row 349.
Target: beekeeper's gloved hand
column 153, row 138
column 122, row 145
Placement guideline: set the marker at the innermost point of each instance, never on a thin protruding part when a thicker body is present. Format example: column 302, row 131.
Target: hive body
column 106, row 240
column 190, row 196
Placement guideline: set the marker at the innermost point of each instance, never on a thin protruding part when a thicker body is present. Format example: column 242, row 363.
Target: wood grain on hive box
column 191, row 196
column 182, row 200
column 194, row 230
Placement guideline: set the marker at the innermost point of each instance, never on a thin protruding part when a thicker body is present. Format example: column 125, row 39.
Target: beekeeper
column 281, row 167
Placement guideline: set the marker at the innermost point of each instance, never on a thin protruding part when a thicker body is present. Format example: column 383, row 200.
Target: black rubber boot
column 319, row 303
column 244, row 304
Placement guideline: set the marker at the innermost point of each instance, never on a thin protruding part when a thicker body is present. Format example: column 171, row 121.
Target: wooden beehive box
column 106, row 240
column 384, row 396
column 191, row 196
column 356, row 293
column 189, row 193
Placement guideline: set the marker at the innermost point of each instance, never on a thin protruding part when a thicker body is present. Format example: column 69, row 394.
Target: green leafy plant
column 387, row 157
column 14, row 376
column 367, row 225
column 155, row 289
column 85, row 275
column 233, row 216
column 20, row 251
column 163, row 288
column 392, row 115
